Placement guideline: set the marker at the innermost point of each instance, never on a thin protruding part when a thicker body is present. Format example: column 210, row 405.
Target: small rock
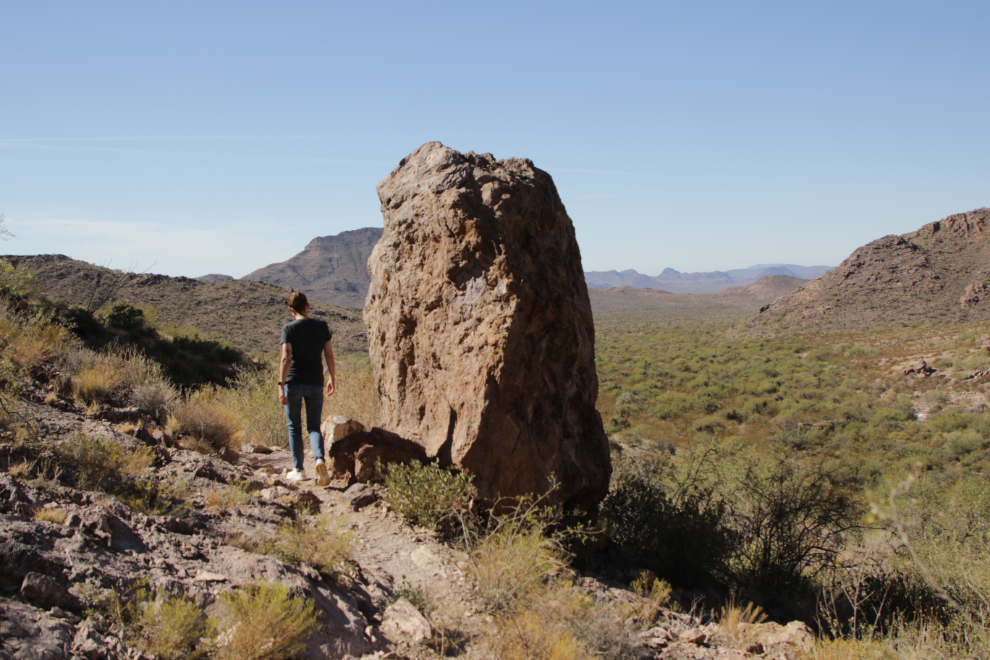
column 360, row 496
column 695, row 636
column 90, row 644
column 206, row 576
column 41, row 590
column 403, row 618
column 337, row 428
column 795, row 633
column 249, row 448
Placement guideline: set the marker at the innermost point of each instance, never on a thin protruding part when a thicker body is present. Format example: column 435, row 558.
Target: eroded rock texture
column 480, row 329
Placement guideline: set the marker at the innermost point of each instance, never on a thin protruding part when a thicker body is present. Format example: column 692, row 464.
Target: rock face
column 480, row 330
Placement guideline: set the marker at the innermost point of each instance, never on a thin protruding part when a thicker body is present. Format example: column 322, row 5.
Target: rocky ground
column 56, row 567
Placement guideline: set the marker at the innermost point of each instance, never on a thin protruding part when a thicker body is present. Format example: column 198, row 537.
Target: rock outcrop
column 480, row 330
column 938, row 274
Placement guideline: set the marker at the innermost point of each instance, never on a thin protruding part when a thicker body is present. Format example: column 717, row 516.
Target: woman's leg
column 293, row 415
column 314, row 412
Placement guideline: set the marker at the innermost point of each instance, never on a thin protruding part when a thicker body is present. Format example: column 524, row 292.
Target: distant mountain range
column 334, row 269
column 713, row 282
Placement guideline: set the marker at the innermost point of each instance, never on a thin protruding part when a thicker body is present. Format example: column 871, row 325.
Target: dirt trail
column 405, row 559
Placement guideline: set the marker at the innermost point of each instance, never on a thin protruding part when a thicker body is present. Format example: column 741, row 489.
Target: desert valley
column 528, row 460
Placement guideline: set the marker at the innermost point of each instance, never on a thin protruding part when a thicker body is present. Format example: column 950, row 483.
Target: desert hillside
column 939, row 273
column 245, row 314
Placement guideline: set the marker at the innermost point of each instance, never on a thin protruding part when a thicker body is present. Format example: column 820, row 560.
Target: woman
column 305, row 343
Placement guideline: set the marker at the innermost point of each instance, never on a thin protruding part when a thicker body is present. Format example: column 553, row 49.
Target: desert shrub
column 678, row 530
column 791, row 522
column 261, row 621
column 654, row 593
column 169, row 628
column 322, row 542
column 206, row 422
column 147, row 497
column 103, row 464
column 514, row 553
column 529, row 635
column 428, row 495
column 121, row 376
column 557, row 620
column 959, row 443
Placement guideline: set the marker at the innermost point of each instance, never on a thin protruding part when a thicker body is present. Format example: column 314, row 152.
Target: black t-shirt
column 307, row 337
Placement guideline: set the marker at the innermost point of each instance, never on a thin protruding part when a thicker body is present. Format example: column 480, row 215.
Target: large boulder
column 480, row 329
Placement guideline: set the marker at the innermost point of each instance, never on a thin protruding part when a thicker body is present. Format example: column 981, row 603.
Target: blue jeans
column 313, row 396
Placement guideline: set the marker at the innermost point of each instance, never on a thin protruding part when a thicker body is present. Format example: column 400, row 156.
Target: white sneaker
column 322, row 476
column 295, row 475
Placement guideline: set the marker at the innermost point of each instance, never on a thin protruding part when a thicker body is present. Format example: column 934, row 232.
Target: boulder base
column 480, row 330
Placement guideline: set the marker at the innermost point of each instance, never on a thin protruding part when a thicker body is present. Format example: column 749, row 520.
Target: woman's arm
column 331, row 367
column 283, row 372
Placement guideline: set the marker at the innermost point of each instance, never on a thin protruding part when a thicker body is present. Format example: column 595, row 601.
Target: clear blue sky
column 223, row 136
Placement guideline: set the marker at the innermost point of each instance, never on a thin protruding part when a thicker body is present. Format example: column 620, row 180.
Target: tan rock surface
column 480, row 329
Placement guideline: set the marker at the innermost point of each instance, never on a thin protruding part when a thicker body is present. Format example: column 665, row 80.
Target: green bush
column 436, row 498
column 168, row 628
column 679, row 531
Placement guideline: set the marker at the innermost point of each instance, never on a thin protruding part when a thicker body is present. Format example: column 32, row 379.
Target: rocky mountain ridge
column 939, row 273
column 332, row 269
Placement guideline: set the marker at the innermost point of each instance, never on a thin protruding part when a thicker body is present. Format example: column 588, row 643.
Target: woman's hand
column 281, row 396
column 330, row 386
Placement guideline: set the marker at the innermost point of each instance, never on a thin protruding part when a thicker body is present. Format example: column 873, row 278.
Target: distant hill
column 729, row 304
column 214, row 277
column 940, row 273
column 248, row 315
column 333, row 269
column 701, row 283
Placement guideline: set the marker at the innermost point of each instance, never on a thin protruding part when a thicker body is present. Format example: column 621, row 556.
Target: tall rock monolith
column 479, row 326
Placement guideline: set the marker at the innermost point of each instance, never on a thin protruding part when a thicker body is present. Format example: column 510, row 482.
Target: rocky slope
column 333, row 269
column 67, row 554
column 940, row 273
column 248, row 315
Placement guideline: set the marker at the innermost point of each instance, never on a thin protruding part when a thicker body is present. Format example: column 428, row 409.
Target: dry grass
column 22, row 470
column 355, row 395
column 101, row 463
column 38, row 346
column 843, row 649
column 322, row 542
column 54, row 516
column 530, row 635
column 735, row 622
column 654, row 594
column 262, row 622
column 121, row 376
column 226, row 497
column 97, row 384
column 200, row 419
